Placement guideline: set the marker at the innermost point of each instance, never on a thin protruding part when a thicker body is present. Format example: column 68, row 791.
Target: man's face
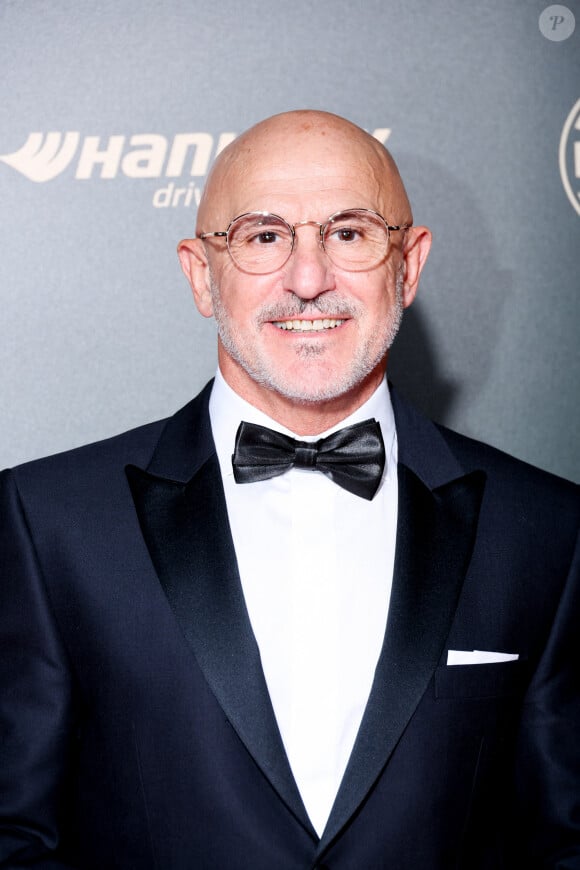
column 309, row 331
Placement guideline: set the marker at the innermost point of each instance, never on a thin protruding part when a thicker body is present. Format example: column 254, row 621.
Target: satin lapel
column 435, row 536
column 186, row 529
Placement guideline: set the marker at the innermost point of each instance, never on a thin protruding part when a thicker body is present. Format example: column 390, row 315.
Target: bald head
column 301, row 147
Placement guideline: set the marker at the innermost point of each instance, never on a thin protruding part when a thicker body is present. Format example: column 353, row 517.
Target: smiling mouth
column 318, row 325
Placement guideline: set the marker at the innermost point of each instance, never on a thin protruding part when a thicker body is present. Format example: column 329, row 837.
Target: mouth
column 318, row 325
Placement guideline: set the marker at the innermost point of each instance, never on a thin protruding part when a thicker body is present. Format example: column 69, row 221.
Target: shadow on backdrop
column 442, row 356
column 415, row 369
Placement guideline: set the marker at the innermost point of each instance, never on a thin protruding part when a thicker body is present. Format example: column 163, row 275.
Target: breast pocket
column 495, row 680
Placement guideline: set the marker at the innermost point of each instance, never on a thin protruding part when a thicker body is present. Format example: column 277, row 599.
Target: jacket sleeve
column 547, row 773
column 36, row 701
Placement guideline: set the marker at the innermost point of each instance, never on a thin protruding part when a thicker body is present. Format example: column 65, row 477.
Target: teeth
column 308, row 325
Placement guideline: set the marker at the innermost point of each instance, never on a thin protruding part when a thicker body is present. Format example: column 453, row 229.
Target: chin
column 308, row 389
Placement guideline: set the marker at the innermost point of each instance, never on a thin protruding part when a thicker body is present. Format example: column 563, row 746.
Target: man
column 296, row 625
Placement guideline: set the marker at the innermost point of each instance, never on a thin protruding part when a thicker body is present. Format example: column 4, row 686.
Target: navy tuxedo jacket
column 136, row 730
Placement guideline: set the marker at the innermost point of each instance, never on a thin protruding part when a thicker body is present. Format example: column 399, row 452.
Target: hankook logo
column 44, row 156
column 569, row 156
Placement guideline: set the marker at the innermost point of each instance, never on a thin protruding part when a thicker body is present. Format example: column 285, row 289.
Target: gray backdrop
column 111, row 112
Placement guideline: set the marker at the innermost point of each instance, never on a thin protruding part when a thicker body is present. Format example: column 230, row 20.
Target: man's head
column 308, row 337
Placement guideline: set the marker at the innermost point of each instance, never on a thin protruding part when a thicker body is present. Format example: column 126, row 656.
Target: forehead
column 306, row 175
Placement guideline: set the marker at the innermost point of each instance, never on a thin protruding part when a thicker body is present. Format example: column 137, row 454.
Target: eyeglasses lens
column 356, row 240
column 260, row 243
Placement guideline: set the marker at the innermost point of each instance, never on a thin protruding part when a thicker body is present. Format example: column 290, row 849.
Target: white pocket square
column 478, row 657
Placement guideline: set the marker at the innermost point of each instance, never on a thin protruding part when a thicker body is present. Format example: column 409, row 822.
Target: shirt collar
column 227, row 410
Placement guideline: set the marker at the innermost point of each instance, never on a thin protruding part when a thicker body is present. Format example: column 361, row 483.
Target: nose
column 308, row 272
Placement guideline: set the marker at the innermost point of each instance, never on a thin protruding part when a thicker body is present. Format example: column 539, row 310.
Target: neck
column 303, row 417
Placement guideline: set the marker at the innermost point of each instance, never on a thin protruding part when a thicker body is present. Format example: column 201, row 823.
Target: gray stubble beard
column 260, row 370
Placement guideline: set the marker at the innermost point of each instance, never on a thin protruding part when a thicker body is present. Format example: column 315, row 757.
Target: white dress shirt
column 316, row 567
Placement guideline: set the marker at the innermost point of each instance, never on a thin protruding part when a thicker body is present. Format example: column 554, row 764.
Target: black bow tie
column 353, row 457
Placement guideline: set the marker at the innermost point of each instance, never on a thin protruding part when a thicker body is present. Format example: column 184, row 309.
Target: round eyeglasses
column 355, row 240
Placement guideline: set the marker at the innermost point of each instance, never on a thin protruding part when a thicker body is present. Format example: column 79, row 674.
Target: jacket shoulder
column 92, row 460
column 136, row 447
column 473, row 451
column 438, row 454
column 514, row 479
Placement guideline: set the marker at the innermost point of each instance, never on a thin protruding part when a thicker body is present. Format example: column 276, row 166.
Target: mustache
column 330, row 304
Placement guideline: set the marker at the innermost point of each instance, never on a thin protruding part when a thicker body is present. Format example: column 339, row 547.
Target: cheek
column 372, row 289
column 384, row 294
column 243, row 297
column 374, row 301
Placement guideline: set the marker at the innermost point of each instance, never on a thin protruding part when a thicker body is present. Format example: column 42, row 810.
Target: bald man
column 296, row 625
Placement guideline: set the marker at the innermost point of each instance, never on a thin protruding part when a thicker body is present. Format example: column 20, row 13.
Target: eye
column 346, row 234
column 260, row 232
column 266, row 237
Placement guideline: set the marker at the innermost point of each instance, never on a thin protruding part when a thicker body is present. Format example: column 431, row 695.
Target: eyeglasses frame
column 292, row 227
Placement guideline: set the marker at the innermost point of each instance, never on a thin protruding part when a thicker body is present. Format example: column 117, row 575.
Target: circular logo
column 557, row 23
column 569, row 156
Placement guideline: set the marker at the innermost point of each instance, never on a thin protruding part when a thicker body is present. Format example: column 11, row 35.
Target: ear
column 194, row 262
column 415, row 251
